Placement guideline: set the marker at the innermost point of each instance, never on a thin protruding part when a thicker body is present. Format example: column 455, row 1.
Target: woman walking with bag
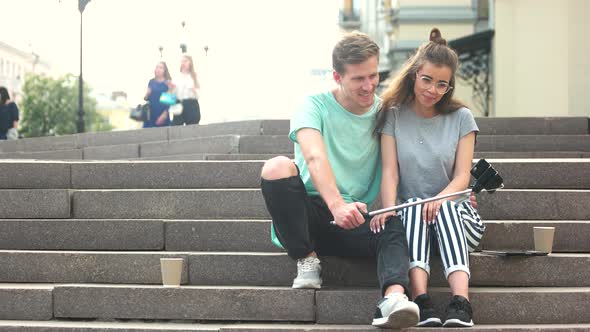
column 158, row 116
column 187, row 88
column 427, row 146
column 9, row 116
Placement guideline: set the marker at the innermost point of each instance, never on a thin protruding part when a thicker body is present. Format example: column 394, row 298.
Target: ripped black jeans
column 302, row 224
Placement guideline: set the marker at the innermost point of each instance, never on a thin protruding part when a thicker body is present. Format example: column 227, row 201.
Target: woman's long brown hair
column 401, row 89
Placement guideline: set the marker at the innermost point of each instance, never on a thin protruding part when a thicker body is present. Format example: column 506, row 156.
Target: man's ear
column 337, row 77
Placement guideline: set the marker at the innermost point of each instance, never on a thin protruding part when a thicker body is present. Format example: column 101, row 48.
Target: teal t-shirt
column 353, row 150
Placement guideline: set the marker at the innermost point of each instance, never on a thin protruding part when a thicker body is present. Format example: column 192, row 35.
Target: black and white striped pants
column 458, row 229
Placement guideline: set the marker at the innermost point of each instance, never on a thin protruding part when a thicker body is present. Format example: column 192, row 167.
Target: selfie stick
column 486, row 179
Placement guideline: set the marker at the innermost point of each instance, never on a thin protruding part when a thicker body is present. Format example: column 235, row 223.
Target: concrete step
column 109, row 326
column 111, row 152
column 531, row 154
column 81, row 234
column 168, row 175
column 75, row 154
column 231, row 235
column 26, row 302
column 488, row 126
column 85, row 267
column 533, row 126
column 273, row 269
column 491, row 305
column 249, row 127
column 514, row 204
column 246, row 156
column 484, row 154
column 169, row 204
column 508, row 143
column 570, row 235
column 162, row 326
column 254, row 235
column 216, row 144
column 509, row 204
column 187, row 302
column 36, row 203
column 517, row 173
column 337, row 306
column 491, row 143
column 277, row 269
column 27, row 174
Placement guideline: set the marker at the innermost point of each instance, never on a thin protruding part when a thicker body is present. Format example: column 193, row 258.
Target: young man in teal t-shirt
column 336, row 175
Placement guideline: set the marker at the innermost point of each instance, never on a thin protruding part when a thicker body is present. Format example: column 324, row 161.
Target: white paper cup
column 171, row 271
column 544, row 238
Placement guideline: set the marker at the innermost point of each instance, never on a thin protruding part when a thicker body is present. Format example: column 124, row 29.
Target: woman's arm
column 147, row 94
column 389, row 181
column 461, row 175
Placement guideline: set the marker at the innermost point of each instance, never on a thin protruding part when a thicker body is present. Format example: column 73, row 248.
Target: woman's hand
column 378, row 222
column 430, row 211
column 473, row 200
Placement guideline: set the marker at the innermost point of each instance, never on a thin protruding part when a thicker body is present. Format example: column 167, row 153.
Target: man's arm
column 346, row 215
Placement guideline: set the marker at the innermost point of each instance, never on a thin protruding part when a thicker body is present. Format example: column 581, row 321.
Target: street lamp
column 183, row 45
column 80, row 123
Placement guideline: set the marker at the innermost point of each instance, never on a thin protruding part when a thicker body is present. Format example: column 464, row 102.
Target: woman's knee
column 278, row 168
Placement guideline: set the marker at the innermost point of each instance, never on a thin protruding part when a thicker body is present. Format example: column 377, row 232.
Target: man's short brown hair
column 355, row 47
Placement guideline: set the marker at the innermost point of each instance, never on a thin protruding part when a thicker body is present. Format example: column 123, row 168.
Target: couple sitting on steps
column 414, row 142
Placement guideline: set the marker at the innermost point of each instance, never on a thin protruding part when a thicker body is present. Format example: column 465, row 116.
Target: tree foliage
column 50, row 107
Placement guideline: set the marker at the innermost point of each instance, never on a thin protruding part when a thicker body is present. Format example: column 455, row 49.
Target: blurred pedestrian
column 159, row 116
column 9, row 116
column 187, row 87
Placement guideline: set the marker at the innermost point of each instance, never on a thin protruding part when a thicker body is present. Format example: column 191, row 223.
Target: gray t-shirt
column 426, row 149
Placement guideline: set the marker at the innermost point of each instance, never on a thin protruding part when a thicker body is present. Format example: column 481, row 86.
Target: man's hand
column 347, row 215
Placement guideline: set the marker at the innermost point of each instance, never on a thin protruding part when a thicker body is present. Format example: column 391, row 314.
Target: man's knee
column 278, row 168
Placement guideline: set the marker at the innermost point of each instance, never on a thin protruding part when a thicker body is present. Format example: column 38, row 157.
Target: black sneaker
column 459, row 313
column 428, row 317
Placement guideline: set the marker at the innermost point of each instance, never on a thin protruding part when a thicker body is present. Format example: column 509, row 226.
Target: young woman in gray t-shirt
column 427, row 145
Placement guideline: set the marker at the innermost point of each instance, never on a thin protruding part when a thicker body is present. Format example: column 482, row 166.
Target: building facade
column 15, row 64
column 505, row 46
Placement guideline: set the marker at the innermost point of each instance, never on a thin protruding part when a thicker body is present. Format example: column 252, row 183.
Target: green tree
column 50, row 107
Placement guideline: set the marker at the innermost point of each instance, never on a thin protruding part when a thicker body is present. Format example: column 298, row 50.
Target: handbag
column 167, row 98
column 141, row 112
column 175, row 109
column 12, row 134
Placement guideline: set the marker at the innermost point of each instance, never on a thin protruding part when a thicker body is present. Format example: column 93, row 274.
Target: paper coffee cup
column 171, row 271
column 544, row 238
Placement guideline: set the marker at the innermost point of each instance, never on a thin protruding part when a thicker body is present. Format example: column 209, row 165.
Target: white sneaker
column 396, row 312
column 308, row 273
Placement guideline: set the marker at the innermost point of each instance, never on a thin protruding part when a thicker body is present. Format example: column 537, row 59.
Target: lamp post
column 80, row 123
column 183, row 46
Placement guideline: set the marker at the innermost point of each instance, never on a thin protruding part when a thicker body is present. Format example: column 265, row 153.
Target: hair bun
column 436, row 37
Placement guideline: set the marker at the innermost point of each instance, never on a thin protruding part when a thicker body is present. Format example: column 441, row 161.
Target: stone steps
column 164, row 326
column 492, row 305
column 272, row 269
column 517, row 173
column 508, row 204
column 248, row 204
column 488, row 126
column 231, row 235
column 279, row 144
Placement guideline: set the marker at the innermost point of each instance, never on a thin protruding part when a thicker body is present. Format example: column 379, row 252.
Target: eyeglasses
column 426, row 82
